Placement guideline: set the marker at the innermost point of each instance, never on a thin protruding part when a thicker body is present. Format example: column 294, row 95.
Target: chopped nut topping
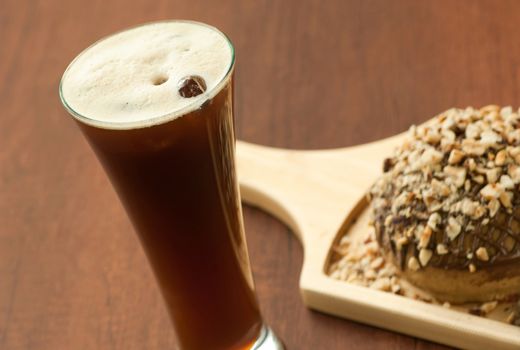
column 345, row 240
column 513, row 151
column 396, row 288
column 363, row 264
column 388, row 220
column 382, row 284
column 501, row 158
column 413, row 264
column 493, row 206
column 471, row 164
column 505, row 199
column 472, row 268
column 490, row 138
column 470, row 207
column 472, row 131
column 433, row 137
column 377, row 263
column 425, row 256
column 491, row 191
column 479, row 212
column 493, row 175
column 506, row 111
column 456, row 175
column 453, row 228
column 441, row 249
column 479, row 179
column 425, row 237
column 488, row 307
column 371, row 274
column 429, row 157
column 401, row 242
column 513, row 136
column 455, row 157
column 473, row 147
column 514, row 172
column 440, row 188
column 434, row 220
column 506, row 182
column 482, row 254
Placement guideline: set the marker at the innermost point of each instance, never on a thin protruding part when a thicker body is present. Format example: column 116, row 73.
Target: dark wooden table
column 310, row 74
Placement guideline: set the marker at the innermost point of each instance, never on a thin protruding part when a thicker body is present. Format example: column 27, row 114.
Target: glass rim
column 149, row 122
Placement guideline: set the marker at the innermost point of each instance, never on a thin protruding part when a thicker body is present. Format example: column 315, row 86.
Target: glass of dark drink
column 155, row 102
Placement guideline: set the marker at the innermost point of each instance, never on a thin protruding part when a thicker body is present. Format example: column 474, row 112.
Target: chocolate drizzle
column 501, row 237
column 464, row 167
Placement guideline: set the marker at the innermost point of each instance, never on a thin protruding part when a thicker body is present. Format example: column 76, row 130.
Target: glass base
column 267, row 341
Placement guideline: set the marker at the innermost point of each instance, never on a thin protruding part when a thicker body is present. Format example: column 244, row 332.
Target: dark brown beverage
column 177, row 183
column 155, row 103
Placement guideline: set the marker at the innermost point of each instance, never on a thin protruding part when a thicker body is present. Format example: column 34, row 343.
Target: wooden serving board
column 320, row 194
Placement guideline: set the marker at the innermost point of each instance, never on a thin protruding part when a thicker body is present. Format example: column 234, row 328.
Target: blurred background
column 309, row 74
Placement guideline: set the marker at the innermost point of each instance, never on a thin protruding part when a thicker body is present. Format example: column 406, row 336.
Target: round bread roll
column 447, row 208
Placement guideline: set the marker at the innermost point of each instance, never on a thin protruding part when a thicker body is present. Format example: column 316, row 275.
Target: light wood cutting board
column 319, row 194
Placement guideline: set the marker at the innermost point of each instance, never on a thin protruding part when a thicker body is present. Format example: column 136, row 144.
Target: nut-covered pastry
column 447, row 208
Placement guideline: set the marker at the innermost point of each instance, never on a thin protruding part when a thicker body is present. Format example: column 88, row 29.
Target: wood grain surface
column 310, row 74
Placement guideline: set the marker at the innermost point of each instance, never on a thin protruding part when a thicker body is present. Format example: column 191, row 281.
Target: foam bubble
column 132, row 77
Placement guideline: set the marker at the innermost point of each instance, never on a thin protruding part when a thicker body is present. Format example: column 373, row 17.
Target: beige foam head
column 130, row 79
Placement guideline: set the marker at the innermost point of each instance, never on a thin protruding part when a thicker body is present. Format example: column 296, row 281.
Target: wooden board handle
column 264, row 174
column 311, row 191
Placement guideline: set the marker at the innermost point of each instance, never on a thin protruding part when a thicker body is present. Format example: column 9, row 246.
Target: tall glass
column 176, row 179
